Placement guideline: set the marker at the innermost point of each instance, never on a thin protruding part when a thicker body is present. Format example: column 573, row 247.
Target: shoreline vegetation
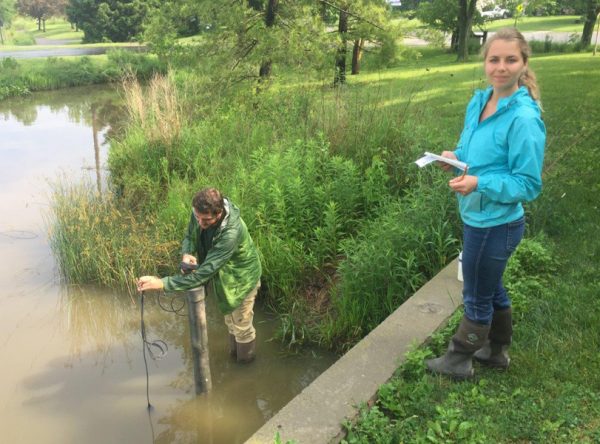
column 20, row 77
column 348, row 227
column 23, row 76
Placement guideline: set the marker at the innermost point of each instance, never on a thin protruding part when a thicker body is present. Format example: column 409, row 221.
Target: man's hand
column 189, row 259
column 149, row 283
column 463, row 184
column 448, row 155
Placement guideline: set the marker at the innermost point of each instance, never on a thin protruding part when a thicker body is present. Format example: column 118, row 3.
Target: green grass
column 563, row 23
column 24, row 30
column 56, row 29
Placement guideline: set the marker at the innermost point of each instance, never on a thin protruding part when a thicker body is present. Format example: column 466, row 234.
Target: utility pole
column 199, row 338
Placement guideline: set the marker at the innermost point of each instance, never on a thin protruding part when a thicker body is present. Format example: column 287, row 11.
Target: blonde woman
column 502, row 143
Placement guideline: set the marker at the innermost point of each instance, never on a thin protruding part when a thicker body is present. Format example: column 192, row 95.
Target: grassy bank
column 23, row 76
column 552, row 391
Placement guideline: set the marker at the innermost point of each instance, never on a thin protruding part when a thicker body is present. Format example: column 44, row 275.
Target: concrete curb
column 316, row 414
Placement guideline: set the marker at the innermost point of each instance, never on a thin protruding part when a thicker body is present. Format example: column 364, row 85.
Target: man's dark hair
column 208, row 200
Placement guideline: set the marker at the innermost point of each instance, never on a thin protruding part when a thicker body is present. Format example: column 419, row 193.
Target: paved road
column 556, row 37
column 61, row 52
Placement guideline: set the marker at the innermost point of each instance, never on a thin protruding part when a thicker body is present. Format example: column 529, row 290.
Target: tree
column 40, row 10
column 466, row 10
column 109, row 20
column 591, row 13
column 359, row 21
column 243, row 40
column 270, row 12
column 340, row 59
column 7, row 12
column 443, row 16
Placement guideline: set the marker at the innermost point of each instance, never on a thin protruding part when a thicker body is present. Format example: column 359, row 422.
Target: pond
column 73, row 369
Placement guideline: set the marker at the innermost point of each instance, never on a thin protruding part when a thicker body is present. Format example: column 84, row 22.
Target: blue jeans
column 485, row 255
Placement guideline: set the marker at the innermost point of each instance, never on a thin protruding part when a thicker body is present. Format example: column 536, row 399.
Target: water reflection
column 99, row 109
column 74, row 363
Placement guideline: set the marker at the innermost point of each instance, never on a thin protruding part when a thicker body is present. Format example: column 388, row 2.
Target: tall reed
column 154, row 108
column 98, row 241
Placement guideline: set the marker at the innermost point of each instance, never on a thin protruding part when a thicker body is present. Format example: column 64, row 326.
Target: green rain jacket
column 227, row 258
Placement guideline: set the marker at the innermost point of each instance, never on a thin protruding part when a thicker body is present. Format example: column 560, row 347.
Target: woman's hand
column 463, row 184
column 149, row 283
column 448, row 155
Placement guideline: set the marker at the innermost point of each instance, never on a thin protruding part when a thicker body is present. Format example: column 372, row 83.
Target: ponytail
column 529, row 81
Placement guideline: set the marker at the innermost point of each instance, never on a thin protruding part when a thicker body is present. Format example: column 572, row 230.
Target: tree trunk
column 39, row 23
column 257, row 5
column 454, row 41
column 340, row 61
column 466, row 9
column 265, row 68
column 44, row 24
column 592, row 10
column 323, row 11
column 357, row 53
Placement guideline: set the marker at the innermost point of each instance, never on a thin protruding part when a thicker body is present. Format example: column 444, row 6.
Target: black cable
column 149, row 346
column 172, row 308
column 152, row 346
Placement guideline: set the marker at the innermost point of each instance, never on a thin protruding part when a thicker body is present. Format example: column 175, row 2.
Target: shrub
column 391, row 257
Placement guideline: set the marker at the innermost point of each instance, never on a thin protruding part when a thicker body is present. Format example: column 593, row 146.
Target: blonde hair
column 527, row 78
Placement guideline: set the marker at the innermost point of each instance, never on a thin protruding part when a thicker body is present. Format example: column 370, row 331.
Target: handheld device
column 187, row 268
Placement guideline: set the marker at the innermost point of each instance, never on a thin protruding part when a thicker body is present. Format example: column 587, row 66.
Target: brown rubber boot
column 246, row 352
column 232, row 346
column 494, row 352
column 457, row 362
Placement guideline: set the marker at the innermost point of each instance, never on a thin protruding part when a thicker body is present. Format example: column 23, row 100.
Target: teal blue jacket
column 506, row 153
column 227, row 258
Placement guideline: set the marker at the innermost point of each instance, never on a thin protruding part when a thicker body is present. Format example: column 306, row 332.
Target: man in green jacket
column 227, row 263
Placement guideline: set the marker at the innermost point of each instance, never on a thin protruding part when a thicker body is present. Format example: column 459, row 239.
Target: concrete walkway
column 316, row 414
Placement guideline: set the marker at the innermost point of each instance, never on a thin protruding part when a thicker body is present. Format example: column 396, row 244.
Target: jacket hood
column 232, row 215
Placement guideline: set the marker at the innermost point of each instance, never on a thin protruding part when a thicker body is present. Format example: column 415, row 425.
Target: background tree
column 443, row 16
column 108, row 20
column 360, row 21
column 7, row 12
column 591, row 13
column 40, row 10
column 466, row 11
column 270, row 12
column 245, row 39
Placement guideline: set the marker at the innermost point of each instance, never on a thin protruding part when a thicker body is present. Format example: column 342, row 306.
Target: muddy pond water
column 72, row 368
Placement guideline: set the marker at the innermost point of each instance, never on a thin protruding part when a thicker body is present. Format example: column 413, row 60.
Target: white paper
column 430, row 157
